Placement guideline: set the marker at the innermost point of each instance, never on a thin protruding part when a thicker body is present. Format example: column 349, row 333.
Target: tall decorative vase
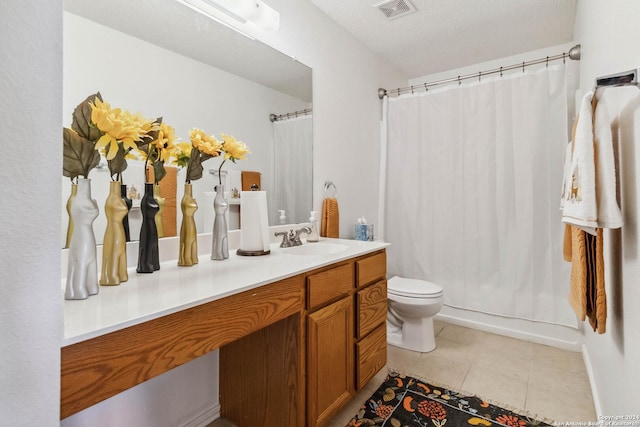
column 82, row 271
column 74, row 191
column 148, row 259
column 128, row 202
column 220, row 246
column 114, row 244
column 188, row 235
column 158, row 217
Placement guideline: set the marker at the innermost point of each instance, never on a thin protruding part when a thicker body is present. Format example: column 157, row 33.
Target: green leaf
column 150, row 137
column 79, row 155
column 118, row 164
column 158, row 170
column 82, row 119
column 194, row 170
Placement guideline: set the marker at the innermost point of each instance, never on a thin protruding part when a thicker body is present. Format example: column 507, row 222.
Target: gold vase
column 161, row 202
column 114, row 249
column 74, row 191
column 188, row 235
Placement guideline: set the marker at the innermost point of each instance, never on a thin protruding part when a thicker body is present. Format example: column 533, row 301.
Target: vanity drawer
column 371, row 269
column 328, row 285
column 371, row 355
column 371, row 305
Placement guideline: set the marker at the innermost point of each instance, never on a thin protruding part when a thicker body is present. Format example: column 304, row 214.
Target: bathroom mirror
column 162, row 59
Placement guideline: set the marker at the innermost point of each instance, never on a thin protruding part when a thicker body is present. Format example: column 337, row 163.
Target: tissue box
column 364, row 232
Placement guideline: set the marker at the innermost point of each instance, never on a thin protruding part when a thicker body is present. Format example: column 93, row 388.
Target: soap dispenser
column 283, row 217
column 313, row 225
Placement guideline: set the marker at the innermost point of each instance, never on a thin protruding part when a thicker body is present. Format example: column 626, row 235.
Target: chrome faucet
column 292, row 238
column 286, row 239
column 296, row 237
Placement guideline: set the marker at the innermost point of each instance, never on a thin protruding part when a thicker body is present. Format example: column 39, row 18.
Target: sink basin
column 315, row 249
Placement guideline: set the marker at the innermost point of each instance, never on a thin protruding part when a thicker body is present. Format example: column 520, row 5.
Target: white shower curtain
column 472, row 198
column 293, row 174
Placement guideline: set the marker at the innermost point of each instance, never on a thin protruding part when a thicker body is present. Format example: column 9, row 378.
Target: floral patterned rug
column 403, row 401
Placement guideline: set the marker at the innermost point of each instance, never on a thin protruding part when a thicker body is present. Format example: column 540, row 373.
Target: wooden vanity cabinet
column 330, row 330
column 292, row 352
column 346, row 332
column 371, row 316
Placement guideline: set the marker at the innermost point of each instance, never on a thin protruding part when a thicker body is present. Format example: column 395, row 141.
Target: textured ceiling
column 171, row 25
column 447, row 34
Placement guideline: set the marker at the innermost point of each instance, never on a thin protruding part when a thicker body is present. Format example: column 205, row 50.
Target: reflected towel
column 168, row 190
column 330, row 218
column 249, row 178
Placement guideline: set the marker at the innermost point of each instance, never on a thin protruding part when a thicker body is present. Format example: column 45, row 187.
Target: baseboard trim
column 565, row 344
column 204, row 418
column 592, row 381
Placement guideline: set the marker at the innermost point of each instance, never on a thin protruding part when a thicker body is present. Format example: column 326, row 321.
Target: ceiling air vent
column 394, row 9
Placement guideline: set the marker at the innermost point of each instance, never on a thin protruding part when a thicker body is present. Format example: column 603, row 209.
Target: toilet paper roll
column 254, row 223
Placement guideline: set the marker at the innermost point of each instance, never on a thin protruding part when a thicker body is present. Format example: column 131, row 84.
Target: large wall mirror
column 162, row 59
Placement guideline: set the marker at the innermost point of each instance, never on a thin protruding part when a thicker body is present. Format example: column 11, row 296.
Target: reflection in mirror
column 162, row 59
column 293, row 141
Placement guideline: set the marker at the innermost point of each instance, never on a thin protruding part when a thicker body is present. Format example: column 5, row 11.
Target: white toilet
column 412, row 305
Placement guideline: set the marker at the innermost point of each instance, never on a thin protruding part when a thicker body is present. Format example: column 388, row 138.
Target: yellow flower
column 182, row 153
column 183, row 149
column 233, row 149
column 118, row 127
column 208, row 144
column 165, row 143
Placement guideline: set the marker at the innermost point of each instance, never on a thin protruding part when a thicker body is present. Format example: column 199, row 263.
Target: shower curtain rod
column 276, row 117
column 574, row 53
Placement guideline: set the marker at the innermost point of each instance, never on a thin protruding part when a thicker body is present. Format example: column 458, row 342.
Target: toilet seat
column 413, row 288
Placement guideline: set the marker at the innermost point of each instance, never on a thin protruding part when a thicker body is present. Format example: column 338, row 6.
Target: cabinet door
column 330, row 360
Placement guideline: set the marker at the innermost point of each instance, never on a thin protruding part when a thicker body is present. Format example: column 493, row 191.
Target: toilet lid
column 413, row 288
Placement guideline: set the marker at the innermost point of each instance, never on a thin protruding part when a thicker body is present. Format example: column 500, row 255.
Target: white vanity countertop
column 146, row 297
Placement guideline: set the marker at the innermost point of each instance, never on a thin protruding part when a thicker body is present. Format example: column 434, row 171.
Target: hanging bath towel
column 609, row 214
column 585, row 250
column 579, row 205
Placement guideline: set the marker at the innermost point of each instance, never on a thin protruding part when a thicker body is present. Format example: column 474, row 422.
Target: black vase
column 148, row 259
column 125, row 220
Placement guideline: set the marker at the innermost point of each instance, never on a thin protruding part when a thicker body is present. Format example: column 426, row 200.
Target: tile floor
column 543, row 381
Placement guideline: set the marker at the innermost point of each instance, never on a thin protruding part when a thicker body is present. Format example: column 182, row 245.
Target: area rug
column 403, row 401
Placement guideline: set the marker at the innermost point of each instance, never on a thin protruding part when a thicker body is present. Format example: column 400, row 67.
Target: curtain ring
column 547, row 64
column 426, row 89
column 398, row 91
column 564, row 58
column 411, row 89
column 479, row 75
column 500, row 71
column 523, row 66
column 459, row 81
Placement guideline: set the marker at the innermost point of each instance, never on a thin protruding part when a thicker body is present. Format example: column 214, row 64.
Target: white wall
column 30, row 294
column 608, row 33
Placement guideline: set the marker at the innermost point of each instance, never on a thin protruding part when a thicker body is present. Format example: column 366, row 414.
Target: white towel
column 579, row 188
column 609, row 215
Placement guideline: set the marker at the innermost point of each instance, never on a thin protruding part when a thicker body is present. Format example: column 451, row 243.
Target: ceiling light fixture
column 255, row 12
